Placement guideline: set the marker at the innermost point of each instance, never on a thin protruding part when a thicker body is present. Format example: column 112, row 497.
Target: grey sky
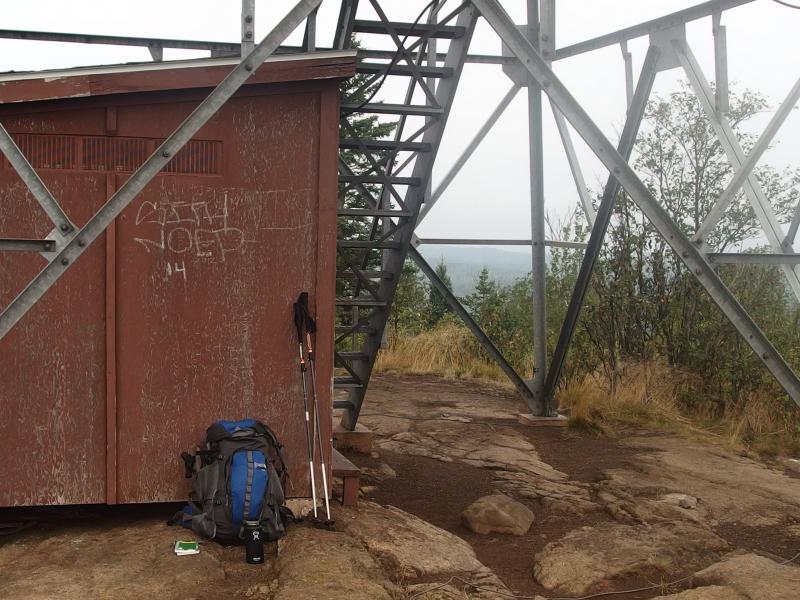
column 490, row 197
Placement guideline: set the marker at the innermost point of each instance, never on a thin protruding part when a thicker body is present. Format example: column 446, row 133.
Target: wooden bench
column 350, row 475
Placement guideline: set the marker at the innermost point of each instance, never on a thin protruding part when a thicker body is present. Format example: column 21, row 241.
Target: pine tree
column 437, row 306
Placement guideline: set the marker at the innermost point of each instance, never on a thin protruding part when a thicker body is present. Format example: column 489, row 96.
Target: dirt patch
column 779, row 541
column 585, row 458
column 439, row 491
column 438, row 486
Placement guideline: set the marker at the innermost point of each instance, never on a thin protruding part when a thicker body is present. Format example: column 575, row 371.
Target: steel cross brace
column 792, row 233
column 626, row 143
column 468, row 151
column 35, row 184
column 151, row 167
column 727, row 138
column 484, row 340
column 691, row 256
column 746, row 168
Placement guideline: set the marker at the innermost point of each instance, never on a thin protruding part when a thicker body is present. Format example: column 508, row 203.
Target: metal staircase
column 383, row 182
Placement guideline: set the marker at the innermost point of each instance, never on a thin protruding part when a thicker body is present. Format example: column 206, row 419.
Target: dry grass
column 449, row 350
column 648, row 395
column 641, row 394
column 762, row 425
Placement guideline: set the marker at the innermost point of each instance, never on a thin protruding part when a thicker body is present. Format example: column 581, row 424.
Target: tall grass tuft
column 643, row 394
column 650, row 394
column 448, row 350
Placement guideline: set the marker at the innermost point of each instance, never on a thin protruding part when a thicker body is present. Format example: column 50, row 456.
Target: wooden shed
column 181, row 313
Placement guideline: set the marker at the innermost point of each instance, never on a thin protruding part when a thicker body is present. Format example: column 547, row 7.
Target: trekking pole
column 311, row 327
column 300, row 322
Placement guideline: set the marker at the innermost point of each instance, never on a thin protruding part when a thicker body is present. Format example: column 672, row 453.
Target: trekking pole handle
column 300, row 311
column 309, row 346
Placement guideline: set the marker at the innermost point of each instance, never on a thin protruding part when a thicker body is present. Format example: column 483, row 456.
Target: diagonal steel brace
column 152, row 166
column 691, row 256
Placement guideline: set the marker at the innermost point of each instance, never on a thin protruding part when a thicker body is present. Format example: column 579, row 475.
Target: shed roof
column 82, row 82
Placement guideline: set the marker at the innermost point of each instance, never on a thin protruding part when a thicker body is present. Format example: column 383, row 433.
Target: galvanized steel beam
column 625, row 147
column 730, row 144
column 115, row 40
column 498, row 242
column 788, row 241
column 744, row 258
column 720, row 63
column 574, row 166
column 22, row 245
column 34, row 183
column 151, row 167
column 248, row 27
column 666, row 22
column 746, row 169
column 468, row 151
column 627, row 60
column 694, row 260
column 535, row 31
column 476, row 330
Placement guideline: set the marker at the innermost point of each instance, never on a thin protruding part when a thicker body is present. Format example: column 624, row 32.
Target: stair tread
column 359, row 302
column 380, row 179
column 393, row 109
column 365, row 274
column 378, row 245
column 372, row 212
column 358, row 144
column 443, row 32
column 404, row 69
column 353, row 355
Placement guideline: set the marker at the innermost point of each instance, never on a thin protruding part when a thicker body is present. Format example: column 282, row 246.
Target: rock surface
column 460, row 435
column 683, row 500
column 130, row 560
column 372, row 555
column 327, row 565
column 754, row 577
column 711, row 592
column 763, row 497
column 591, row 555
column 497, row 514
column 407, row 546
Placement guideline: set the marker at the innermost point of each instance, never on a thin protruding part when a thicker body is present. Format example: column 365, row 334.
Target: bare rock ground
column 375, row 553
column 589, row 555
column 611, row 514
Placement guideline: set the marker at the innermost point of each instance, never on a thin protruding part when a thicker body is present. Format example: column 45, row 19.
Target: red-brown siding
column 181, row 313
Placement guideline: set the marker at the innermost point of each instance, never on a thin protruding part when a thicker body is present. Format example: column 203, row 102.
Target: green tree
column 349, row 227
column 409, row 313
column 643, row 303
column 437, row 307
column 484, row 301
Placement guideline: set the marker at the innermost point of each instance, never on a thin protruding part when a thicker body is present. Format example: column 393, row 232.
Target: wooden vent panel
column 118, row 154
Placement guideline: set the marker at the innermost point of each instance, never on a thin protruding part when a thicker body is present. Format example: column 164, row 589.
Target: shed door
column 208, row 267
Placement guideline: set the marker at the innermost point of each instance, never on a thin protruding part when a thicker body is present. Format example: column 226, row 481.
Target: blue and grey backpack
column 238, row 476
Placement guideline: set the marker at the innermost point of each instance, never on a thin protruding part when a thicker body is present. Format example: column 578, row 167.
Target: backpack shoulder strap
column 216, row 432
column 262, row 429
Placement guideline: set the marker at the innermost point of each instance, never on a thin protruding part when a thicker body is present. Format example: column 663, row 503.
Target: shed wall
column 182, row 313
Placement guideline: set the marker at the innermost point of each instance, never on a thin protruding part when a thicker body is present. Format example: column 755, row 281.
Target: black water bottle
column 254, row 542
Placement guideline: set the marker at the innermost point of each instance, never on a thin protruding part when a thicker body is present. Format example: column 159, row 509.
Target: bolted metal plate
column 662, row 39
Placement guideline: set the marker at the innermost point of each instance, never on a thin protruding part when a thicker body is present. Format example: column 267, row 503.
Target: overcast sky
column 490, row 197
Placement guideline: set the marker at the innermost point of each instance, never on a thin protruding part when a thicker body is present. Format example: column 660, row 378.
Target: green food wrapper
column 183, row 547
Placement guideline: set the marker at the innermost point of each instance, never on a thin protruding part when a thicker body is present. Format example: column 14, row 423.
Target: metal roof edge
column 165, row 65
